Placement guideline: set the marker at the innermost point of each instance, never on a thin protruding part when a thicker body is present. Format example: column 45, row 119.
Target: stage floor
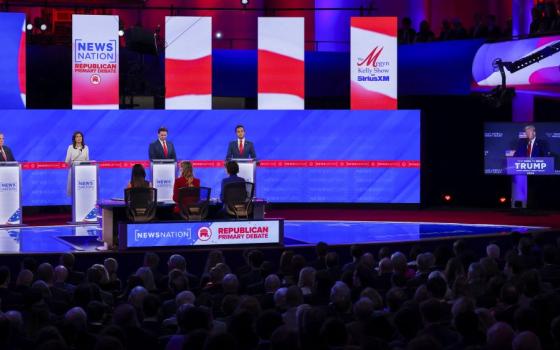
column 84, row 238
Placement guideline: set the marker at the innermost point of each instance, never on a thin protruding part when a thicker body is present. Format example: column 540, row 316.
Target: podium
column 85, row 191
column 247, row 169
column 163, row 178
column 530, row 166
column 10, row 193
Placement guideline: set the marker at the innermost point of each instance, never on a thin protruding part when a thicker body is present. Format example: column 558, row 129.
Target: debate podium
column 163, row 178
column 85, row 191
column 247, row 170
column 10, row 194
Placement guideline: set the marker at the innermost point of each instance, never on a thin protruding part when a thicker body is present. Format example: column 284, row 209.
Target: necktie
column 165, row 149
column 529, row 149
column 240, row 147
column 3, row 155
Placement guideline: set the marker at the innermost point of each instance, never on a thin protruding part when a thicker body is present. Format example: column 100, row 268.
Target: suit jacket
column 540, row 149
column 156, row 151
column 248, row 150
column 9, row 154
column 229, row 180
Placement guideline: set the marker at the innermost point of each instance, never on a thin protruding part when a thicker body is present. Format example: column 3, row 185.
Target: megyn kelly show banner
column 95, row 62
column 373, row 63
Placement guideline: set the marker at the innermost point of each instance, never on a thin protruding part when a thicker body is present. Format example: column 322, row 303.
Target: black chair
column 193, row 203
column 238, row 199
column 141, row 203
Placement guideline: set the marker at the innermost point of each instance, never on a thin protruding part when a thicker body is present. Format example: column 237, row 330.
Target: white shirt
column 530, row 144
column 241, row 142
column 162, row 142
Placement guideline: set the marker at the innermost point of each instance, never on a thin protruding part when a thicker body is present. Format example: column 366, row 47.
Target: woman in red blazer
column 186, row 179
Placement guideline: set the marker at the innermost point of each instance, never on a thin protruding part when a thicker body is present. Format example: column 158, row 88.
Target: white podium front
column 163, row 178
column 85, row 191
column 10, row 193
column 247, row 170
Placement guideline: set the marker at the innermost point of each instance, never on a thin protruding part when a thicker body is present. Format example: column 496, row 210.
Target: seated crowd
column 446, row 299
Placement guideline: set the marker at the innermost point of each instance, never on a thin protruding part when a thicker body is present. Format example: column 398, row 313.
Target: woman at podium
column 77, row 151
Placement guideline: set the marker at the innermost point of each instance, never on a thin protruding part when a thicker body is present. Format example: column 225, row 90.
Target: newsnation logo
column 95, row 58
column 371, row 68
column 8, row 186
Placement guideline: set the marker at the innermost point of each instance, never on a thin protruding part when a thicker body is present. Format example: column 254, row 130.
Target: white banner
column 373, row 63
column 10, row 198
column 281, row 68
column 163, row 178
column 84, row 192
column 188, row 62
column 95, row 62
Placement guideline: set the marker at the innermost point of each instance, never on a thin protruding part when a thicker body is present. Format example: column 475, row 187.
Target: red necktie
column 165, row 149
column 240, row 147
column 529, row 149
column 3, row 154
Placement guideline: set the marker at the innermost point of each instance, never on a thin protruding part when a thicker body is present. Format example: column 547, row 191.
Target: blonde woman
column 186, row 179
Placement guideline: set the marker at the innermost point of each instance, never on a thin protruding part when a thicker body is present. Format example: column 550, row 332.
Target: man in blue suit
column 161, row 148
column 6, row 154
column 530, row 147
column 240, row 148
column 232, row 170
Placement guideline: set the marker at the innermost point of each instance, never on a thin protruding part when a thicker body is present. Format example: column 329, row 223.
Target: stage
column 306, row 227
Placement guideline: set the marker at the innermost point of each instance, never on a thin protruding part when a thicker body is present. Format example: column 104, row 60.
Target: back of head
column 145, row 273
column 67, row 259
column 45, row 272
column 363, row 309
column 526, row 341
column 332, row 260
column 341, row 295
column 272, row 283
column 284, row 338
column 177, row 261
column 374, row 296
column 137, row 295
column 294, row 297
column 385, row 265
column 424, row 262
column 499, row 336
column 230, row 284
column 111, row 265
column 125, row 316
column 408, row 321
column 256, row 258
column 60, row 274
column 356, row 251
column 232, row 167
column 151, row 260
column 322, row 249
column 493, row 251
column 185, row 297
column 399, row 262
column 76, row 317
column 395, row 298
column 150, row 305
column 437, row 287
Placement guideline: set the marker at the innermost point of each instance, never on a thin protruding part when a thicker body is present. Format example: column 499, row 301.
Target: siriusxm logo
column 8, row 186
column 371, row 68
column 95, row 51
column 374, row 78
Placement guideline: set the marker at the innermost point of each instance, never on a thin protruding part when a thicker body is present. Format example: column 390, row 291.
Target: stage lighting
column 29, row 26
column 244, row 2
column 503, row 199
column 218, row 35
column 121, row 32
column 43, row 27
column 447, row 198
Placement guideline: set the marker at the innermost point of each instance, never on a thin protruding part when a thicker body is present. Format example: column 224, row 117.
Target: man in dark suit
column 161, row 148
column 6, row 154
column 232, row 170
column 240, row 148
column 530, row 147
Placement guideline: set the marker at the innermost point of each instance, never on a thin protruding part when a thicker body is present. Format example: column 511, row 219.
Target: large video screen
column 319, row 156
column 507, row 150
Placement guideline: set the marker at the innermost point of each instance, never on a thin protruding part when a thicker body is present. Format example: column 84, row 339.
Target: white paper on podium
column 247, row 171
column 163, row 177
column 84, row 192
column 10, row 194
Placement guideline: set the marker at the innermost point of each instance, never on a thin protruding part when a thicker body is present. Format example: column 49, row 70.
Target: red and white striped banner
column 281, row 72
column 188, row 63
column 95, row 62
column 373, row 63
column 128, row 164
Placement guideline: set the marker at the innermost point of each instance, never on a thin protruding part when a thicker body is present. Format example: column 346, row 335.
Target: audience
column 451, row 299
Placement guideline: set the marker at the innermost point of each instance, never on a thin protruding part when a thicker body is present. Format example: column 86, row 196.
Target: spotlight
column 503, row 199
column 121, row 32
column 218, row 35
column 244, row 2
column 29, row 26
column 43, row 27
column 447, row 197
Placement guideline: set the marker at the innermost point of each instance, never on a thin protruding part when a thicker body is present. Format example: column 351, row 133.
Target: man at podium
column 241, row 148
column 6, row 154
column 161, row 148
column 530, row 146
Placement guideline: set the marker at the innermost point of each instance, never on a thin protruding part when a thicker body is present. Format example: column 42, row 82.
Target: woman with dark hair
column 77, row 151
column 138, row 177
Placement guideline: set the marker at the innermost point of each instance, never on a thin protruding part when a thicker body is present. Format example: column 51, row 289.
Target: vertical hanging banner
column 85, row 191
column 95, row 62
column 12, row 61
column 373, row 63
column 10, row 193
column 281, row 72
column 188, row 63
